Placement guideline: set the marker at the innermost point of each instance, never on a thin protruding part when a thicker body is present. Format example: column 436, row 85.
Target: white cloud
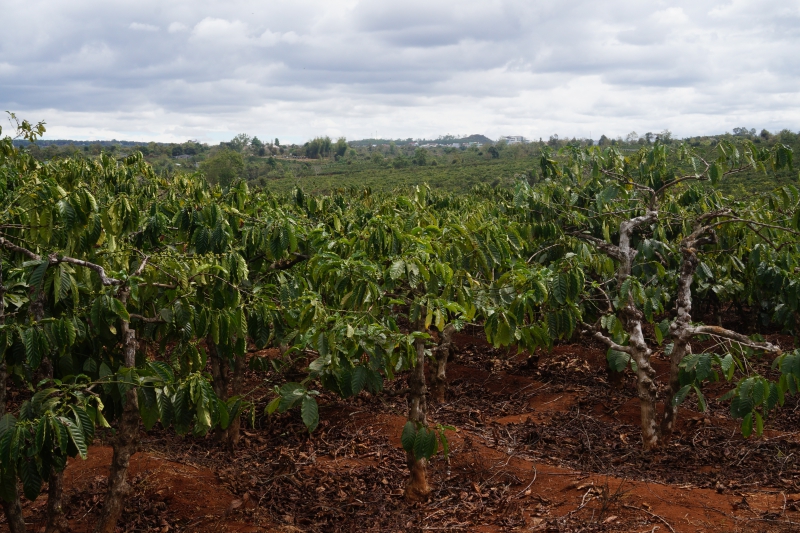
column 177, row 27
column 302, row 68
column 138, row 26
column 221, row 31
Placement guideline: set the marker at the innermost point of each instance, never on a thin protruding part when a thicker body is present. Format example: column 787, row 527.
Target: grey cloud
column 417, row 64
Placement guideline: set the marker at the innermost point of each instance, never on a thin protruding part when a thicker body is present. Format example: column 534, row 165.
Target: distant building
column 183, row 156
column 514, row 139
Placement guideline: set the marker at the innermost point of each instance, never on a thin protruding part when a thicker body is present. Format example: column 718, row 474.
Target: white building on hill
column 514, row 139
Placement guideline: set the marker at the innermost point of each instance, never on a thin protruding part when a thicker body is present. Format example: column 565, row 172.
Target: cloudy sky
column 201, row 69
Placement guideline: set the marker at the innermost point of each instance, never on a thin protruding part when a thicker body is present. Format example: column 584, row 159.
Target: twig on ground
column 535, row 473
column 661, row 518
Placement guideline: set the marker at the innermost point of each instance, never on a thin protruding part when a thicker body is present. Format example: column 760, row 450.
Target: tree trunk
column 439, row 379
column 219, row 377
column 12, row 509
column 679, row 350
column 645, row 384
column 223, row 376
column 645, row 374
column 124, row 445
column 237, row 385
column 56, row 522
column 679, row 329
column 219, row 370
column 417, row 488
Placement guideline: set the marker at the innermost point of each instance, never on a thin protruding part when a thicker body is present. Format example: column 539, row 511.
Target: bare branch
column 159, row 285
column 716, row 331
column 54, row 259
column 284, row 264
column 591, row 330
column 627, row 226
column 543, row 250
column 696, row 177
column 148, row 320
column 626, row 229
column 104, row 278
column 143, row 264
column 8, row 245
column 609, row 249
column 626, row 181
column 676, row 181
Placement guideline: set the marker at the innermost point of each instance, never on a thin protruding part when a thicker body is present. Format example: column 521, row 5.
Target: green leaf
column 84, row 422
column 358, row 379
column 445, row 443
column 76, row 435
column 374, row 381
column 162, row 370
column 741, row 407
column 617, row 361
column 625, row 288
column 560, row 289
column 409, row 436
column 575, row 284
column 759, row 423
column 701, row 401
column 31, row 480
column 41, row 433
column 503, row 335
column 37, row 275
column 148, row 407
column 703, row 367
column 715, row 173
column 203, row 414
column 425, row 443
column 119, row 309
column 273, row 405
column 38, row 399
column 397, row 269
column 223, row 413
column 33, row 346
column 773, row 398
column 60, row 434
column 727, row 366
column 680, row 396
column 706, row 270
column 69, row 328
column 310, row 413
column 165, row 408
column 290, row 394
column 758, row 392
column 747, row 425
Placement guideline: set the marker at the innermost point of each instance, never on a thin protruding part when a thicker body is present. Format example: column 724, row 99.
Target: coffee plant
column 129, row 299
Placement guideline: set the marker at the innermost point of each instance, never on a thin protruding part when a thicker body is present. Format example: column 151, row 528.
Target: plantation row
column 130, row 298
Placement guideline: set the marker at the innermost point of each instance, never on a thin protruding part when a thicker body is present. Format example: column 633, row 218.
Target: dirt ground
column 549, row 447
